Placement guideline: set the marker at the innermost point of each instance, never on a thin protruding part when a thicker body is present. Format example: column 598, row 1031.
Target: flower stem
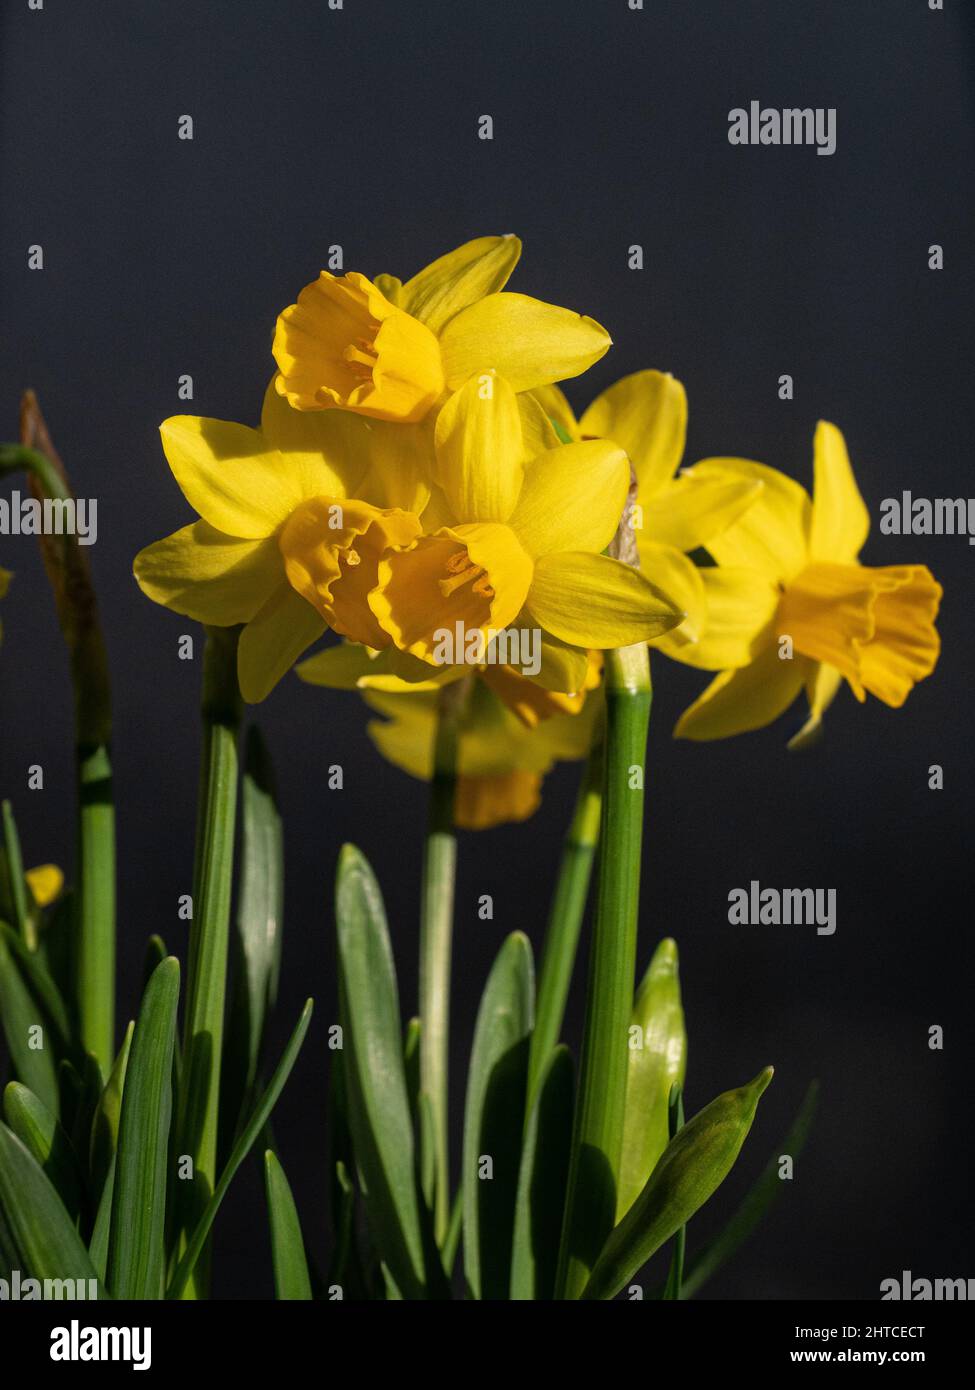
column 436, row 929
column 209, row 934
column 70, row 578
column 565, row 919
column 598, row 1130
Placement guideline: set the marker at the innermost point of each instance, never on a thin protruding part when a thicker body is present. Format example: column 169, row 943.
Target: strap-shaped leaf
column 542, row 1181
column 374, row 1074
column 136, row 1246
column 25, row 1027
column 37, row 1236
column 258, row 1119
column 291, row 1279
column 494, row 1116
column 104, row 1125
column 693, row 1165
column 44, row 1138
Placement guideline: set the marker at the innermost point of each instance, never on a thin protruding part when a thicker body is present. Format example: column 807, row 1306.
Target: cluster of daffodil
column 417, row 470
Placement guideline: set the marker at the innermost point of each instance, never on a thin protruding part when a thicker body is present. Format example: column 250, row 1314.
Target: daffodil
column 294, row 517
column 501, row 757
column 512, row 542
column 392, row 351
column 646, row 415
column 45, row 883
column 789, row 606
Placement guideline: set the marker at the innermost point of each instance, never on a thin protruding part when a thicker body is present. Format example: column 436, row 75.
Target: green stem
column 565, row 919
column 15, row 873
column 436, row 930
column 210, row 931
column 598, row 1130
column 70, row 580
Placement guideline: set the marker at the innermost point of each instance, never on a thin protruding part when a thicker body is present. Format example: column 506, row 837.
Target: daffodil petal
column 593, row 601
column 822, row 684
column 528, row 342
column 461, row 277
column 840, row 520
column 326, row 451
column 748, row 698
column 273, row 640
column 646, row 414
column 351, row 666
column 391, row 288
column 45, row 883
column 505, row 798
column 555, row 405
column 563, row 668
column 739, row 605
column 771, row 534
column 573, row 497
column 688, row 512
column 206, row 575
column 228, row 474
column 680, row 579
column 480, row 449
column 537, row 430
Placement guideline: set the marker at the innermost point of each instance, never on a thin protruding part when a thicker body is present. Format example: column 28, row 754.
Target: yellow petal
column 461, row 277
column 555, row 405
column 344, row 344
column 327, row 450
column 352, row 666
column 273, row 640
column 905, row 645
column 572, row 498
column 593, row 601
column 748, row 698
column 391, row 287
column 840, row 520
column 822, row 684
column 528, row 342
column 481, row 803
column 646, row 414
column 229, row 475
column 471, row 578
column 688, row 512
column 564, row 669
column 828, row 612
column 739, row 605
column 480, row 449
column 5, row 578
column 680, row 579
column 538, row 432
column 772, row 533
column 206, row 575
column 45, row 883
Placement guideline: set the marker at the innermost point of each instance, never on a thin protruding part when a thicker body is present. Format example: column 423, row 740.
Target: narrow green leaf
column 375, row 1079
column 657, row 1059
column 43, row 1137
column 104, row 1125
column 291, row 1279
column 37, row 1236
column 41, row 983
column 675, row 1121
column 14, row 865
column 156, row 953
column 136, row 1246
column 756, row 1203
column 98, row 1245
column 26, row 1029
column 542, row 1181
column 256, row 939
column 242, row 1148
column 494, row 1118
column 693, row 1165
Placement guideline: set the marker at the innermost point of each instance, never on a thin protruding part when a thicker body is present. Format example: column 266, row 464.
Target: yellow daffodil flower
column 391, row 351
column 501, row 758
column 294, row 517
column 45, row 883
column 512, row 541
column 789, row 605
column 646, row 415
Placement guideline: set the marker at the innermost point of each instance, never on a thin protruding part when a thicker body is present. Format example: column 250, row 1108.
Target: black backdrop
column 358, row 126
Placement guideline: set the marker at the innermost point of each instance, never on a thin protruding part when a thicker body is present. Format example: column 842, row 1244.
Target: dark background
column 359, row 127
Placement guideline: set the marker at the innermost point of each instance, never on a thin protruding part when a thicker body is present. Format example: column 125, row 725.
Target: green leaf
column 105, row 1121
column 542, row 1181
column 37, row 1236
column 654, row 1067
column 44, row 1138
column 14, row 866
column 675, row 1121
column 494, row 1116
column 756, row 1203
column 136, row 1246
column 98, row 1245
column 291, row 1279
column 693, row 1165
column 19, row 1014
column 248, row 1135
column 256, row 940
column 374, row 1074
column 41, row 983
